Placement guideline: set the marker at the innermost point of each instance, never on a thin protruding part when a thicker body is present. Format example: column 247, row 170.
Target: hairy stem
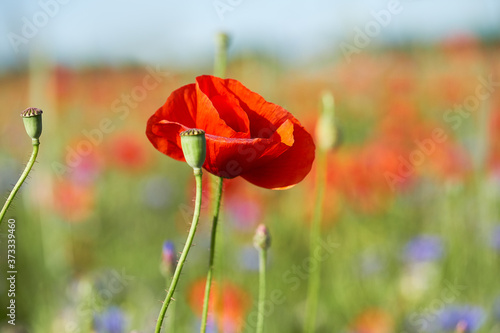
column 29, row 166
column 262, row 289
column 185, row 251
column 208, row 285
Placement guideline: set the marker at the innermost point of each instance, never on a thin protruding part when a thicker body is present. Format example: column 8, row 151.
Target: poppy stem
column 29, row 166
column 315, row 236
column 208, row 285
column 262, row 289
column 185, row 251
column 220, row 63
column 171, row 322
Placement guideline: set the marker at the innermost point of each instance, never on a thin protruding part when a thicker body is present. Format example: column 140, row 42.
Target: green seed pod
column 194, row 147
column 262, row 238
column 32, row 118
column 327, row 131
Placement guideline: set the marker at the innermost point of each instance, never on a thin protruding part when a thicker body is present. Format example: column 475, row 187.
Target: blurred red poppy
column 228, row 303
column 246, row 135
column 73, row 202
column 126, row 151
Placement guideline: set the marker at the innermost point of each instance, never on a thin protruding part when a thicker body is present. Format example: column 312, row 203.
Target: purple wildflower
column 168, row 258
column 467, row 318
column 423, row 248
column 111, row 321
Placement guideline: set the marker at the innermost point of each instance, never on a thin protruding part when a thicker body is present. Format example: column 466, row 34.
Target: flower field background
column 410, row 230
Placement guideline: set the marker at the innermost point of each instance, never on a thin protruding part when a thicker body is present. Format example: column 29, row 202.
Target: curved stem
column 208, row 285
column 31, row 162
column 315, row 235
column 262, row 289
column 185, row 251
column 171, row 323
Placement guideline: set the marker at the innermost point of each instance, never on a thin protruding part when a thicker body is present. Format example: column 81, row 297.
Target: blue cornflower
column 467, row 318
column 423, row 248
column 110, row 321
column 168, row 257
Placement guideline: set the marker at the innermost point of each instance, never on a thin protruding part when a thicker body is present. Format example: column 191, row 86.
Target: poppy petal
column 226, row 157
column 164, row 135
column 230, row 157
column 265, row 117
column 185, row 106
column 246, row 135
column 225, row 103
column 289, row 168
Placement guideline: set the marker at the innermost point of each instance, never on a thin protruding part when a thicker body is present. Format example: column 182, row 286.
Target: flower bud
column 262, row 238
column 32, row 118
column 194, row 147
column 327, row 132
column 168, row 259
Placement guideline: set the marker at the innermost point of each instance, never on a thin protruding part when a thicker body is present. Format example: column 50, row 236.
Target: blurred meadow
column 410, row 227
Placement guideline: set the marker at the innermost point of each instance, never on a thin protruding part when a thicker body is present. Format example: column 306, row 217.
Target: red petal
column 226, row 104
column 264, row 117
column 289, row 168
column 164, row 136
column 245, row 134
column 194, row 110
column 226, row 157
column 231, row 157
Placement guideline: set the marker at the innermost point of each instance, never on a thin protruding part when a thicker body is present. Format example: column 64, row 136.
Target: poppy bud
column 262, row 238
column 32, row 118
column 194, row 144
column 327, row 132
column 168, row 259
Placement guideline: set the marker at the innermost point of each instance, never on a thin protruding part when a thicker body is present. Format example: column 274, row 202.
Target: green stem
column 208, row 284
column 185, row 251
column 31, row 162
column 220, row 63
column 315, row 235
column 262, row 289
column 171, row 323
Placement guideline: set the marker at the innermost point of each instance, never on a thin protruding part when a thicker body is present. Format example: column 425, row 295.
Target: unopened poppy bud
column 32, row 118
column 327, row 131
column 168, row 259
column 262, row 238
column 194, row 147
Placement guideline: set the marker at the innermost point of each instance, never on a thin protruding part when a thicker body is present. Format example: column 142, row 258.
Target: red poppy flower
column 228, row 303
column 246, row 135
column 127, row 152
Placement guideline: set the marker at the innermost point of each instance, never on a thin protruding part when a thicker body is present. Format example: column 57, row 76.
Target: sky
column 76, row 32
